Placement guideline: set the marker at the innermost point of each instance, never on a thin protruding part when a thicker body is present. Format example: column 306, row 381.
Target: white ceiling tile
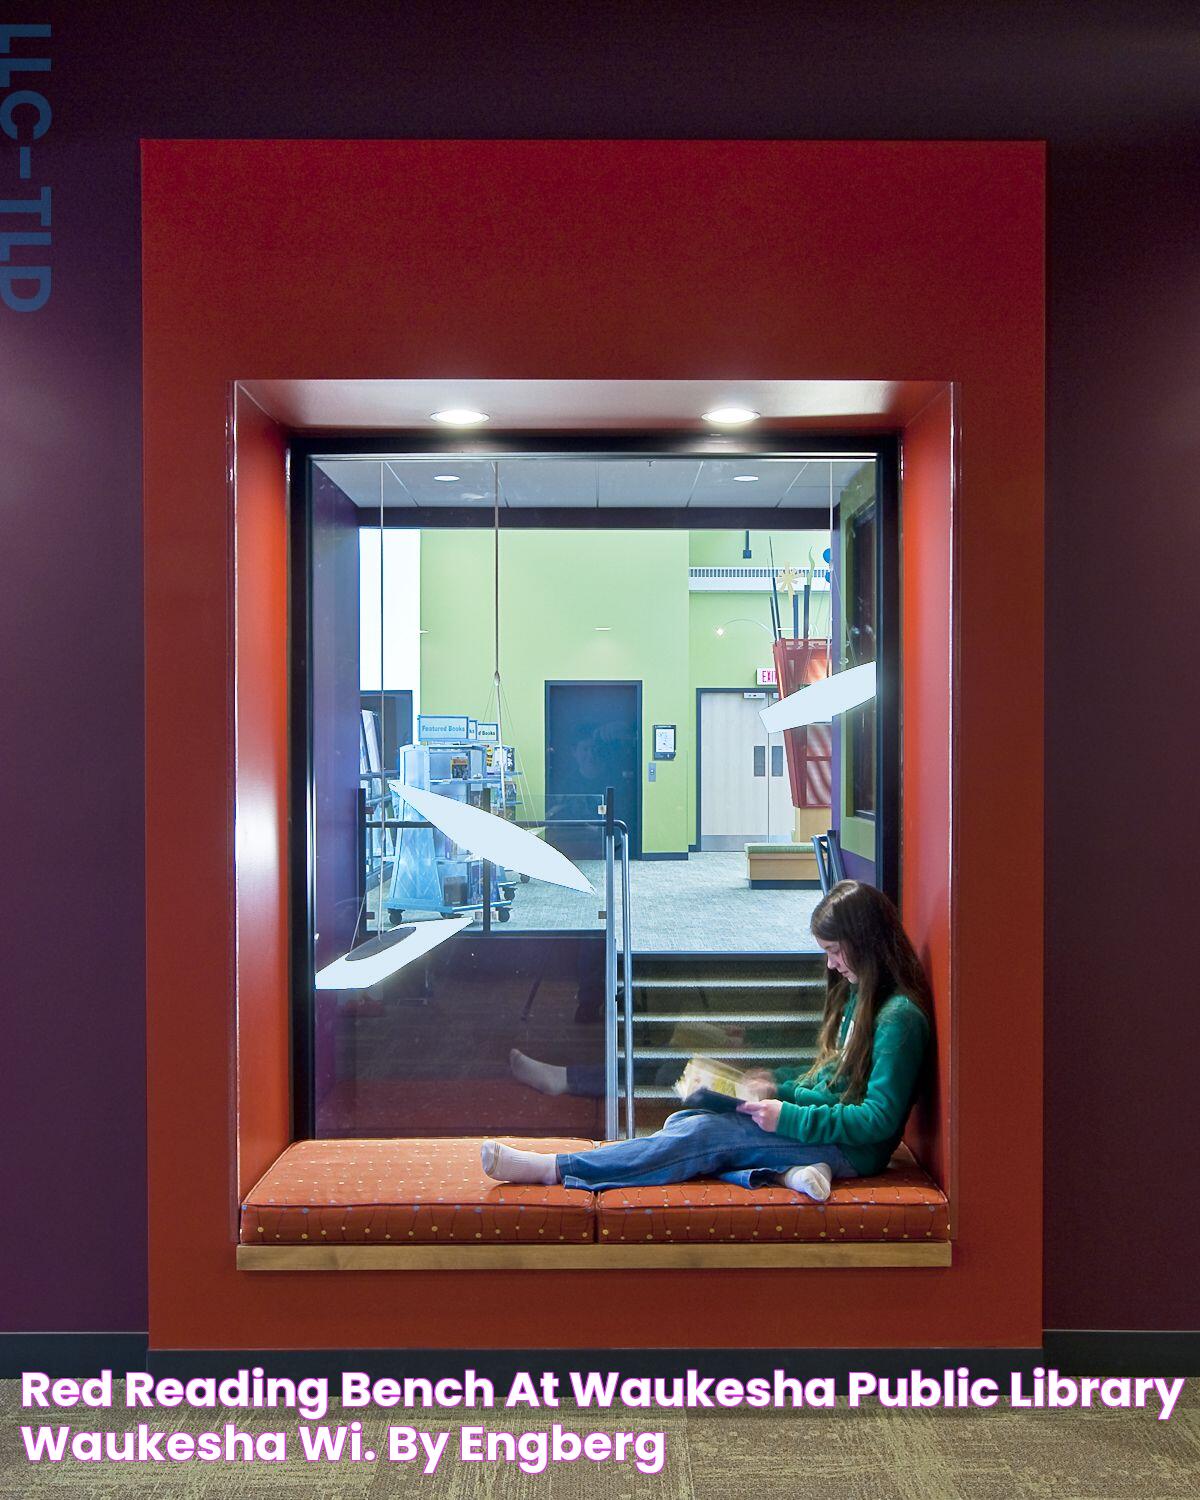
column 473, row 486
column 554, row 483
column 359, row 480
column 557, row 482
column 647, row 483
column 719, row 484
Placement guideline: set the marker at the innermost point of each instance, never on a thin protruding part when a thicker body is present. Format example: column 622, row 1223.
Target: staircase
column 752, row 1011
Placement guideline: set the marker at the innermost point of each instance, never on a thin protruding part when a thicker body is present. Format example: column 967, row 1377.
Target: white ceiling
column 592, row 483
column 588, row 405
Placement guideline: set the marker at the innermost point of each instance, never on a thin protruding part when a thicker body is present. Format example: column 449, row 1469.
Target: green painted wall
column 556, row 587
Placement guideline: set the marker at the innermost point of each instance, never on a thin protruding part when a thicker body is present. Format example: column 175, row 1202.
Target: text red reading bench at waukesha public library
column 312, row 1397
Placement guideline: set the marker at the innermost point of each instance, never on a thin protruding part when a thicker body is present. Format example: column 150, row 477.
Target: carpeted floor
column 869, row 1454
column 702, row 904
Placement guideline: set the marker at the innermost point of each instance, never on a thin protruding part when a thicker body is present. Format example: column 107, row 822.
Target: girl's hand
column 760, row 1082
column 764, row 1112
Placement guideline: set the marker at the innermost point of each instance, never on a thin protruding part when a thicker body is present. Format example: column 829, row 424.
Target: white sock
column 816, row 1181
column 547, row 1078
column 508, row 1164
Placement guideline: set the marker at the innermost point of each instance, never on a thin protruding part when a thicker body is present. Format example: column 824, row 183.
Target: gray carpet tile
column 868, row 1454
column 702, row 904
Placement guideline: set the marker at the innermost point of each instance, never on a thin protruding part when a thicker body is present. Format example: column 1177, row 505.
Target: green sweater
column 867, row 1132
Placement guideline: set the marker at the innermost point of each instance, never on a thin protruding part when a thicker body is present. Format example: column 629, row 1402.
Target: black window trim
column 303, row 447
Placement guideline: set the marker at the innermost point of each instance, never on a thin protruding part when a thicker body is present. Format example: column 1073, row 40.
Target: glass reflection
column 526, row 672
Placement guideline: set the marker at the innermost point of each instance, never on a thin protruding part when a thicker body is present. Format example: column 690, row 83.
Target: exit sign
column 766, row 677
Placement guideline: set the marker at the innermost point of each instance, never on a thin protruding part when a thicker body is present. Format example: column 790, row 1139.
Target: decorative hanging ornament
column 373, row 962
column 485, row 836
column 820, row 701
column 790, row 579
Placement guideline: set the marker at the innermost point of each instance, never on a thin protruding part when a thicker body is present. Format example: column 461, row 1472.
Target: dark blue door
column 593, row 741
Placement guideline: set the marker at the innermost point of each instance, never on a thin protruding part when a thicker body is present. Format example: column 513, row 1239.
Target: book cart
column 431, row 872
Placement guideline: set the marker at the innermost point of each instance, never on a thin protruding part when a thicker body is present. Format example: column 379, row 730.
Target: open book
column 709, row 1075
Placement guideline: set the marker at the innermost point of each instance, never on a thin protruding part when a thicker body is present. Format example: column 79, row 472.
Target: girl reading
column 843, row 1117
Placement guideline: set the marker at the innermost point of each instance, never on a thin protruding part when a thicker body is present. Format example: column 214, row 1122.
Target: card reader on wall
column 664, row 742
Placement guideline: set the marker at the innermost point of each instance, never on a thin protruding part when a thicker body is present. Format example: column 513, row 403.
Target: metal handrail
column 535, row 823
column 615, row 829
column 627, row 978
column 610, row 969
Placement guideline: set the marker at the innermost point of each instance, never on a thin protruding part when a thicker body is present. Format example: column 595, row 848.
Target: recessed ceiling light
column 745, row 478
column 602, row 627
column 459, row 416
column 446, row 478
column 730, row 416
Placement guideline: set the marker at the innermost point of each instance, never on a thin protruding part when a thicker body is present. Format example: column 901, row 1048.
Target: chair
column 830, row 866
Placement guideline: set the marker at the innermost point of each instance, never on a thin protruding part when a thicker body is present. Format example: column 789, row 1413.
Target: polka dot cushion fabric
column 900, row 1204
column 408, row 1192
column 433, row 1191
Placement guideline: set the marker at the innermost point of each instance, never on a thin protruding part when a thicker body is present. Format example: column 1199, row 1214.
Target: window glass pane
column 861, row 582
column 472, row 643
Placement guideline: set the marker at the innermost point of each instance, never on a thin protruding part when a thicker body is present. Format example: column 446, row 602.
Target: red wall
column 260, row 541
column 602, row 260
column 927, row 709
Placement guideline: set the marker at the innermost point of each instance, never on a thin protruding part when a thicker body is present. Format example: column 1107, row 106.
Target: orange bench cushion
column 901, row 1203
column 370, row 1192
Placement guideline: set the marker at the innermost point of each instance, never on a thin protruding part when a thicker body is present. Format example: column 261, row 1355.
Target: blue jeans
column 696, row 1143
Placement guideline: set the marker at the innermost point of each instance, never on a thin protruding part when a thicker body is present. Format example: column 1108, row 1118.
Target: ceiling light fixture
column 446, row 478
column 745, row 479
column 459, row 416
column 601, row 627
column 742, row 620
column 730, row 416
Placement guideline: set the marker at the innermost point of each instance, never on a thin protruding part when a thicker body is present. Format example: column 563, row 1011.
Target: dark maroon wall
column 1122, row 711
column 1112, row 88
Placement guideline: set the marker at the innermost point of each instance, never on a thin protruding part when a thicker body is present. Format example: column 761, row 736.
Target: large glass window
column 580, row 645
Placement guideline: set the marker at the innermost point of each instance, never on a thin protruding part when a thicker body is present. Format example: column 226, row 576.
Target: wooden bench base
column 776, row 865
column 805, row 1256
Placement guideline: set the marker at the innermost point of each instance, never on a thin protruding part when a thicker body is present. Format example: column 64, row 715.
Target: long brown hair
column 876, row 946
